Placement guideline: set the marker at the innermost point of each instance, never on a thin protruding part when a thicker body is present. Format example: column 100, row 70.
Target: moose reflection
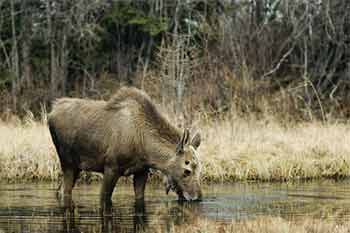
column 134, row 219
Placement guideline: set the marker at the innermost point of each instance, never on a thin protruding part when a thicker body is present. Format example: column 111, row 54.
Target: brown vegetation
column 284, row 57
column 232, row 149
column 264, row 225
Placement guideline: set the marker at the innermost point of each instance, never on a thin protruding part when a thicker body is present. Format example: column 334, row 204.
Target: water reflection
column 34, row 208
column 136, row 219
column 110, row 220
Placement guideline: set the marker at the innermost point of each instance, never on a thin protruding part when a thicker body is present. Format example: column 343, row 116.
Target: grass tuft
column 242, row 149
column 262, row 225
column 232, row 150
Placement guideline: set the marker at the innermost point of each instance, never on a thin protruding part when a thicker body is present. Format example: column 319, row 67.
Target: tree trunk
column 53, row 63
column 63, row 63
column 259, row 8
column 15, row 59
column 26, row 44
column 176, row 62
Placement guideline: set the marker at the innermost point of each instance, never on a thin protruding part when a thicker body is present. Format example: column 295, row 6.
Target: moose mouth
column 171, row 185
column 181, row 194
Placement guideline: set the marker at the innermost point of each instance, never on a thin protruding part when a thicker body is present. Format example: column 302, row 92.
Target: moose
column 126, row 135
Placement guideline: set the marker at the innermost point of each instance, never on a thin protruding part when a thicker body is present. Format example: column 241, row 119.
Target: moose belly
column 90, row 164
column 131, row 164
column 88, row 156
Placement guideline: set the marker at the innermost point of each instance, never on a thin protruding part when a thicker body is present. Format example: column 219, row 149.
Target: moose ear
column 186, row 136
column 183, row 141
column 196, row 141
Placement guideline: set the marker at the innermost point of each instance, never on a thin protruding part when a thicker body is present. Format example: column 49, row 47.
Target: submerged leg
column 59, row 189
column 140, row 180
column 110, row 178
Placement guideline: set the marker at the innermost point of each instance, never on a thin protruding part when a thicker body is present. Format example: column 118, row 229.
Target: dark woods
column 281, row 57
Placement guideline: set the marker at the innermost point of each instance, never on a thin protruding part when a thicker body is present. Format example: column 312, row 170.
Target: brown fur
column 125, row 135
column 148, row 113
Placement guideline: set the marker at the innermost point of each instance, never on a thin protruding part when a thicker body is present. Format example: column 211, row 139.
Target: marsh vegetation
column 234, row 149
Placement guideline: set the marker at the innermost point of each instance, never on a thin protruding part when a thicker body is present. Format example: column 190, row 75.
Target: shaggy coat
column 123, row 136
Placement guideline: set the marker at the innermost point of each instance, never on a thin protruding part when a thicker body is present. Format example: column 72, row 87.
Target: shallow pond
column 34, row 207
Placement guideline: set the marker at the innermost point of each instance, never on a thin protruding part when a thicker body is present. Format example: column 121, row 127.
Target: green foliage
column 127, row 15
column 149, row 24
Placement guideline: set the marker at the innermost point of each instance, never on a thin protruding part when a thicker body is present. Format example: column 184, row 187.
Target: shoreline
column 94, row 179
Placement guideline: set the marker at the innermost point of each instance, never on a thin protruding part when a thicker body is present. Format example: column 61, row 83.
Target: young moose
column 124, row 136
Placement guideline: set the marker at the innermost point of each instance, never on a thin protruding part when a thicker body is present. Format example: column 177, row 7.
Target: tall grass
column 232, row 149
column 241, row 149
column 27, row 152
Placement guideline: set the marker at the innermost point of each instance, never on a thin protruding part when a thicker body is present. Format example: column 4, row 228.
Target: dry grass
column 263, row 225
column 240, row 149
column 235, row 149
column 27, row 152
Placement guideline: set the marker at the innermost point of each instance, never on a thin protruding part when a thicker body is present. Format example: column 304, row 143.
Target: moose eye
column 187, row 162
column 187, row 172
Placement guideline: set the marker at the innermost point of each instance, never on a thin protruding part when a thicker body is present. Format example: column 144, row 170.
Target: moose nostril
column 187, row 172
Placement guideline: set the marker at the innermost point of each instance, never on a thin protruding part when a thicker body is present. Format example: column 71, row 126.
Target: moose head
column 184, row 178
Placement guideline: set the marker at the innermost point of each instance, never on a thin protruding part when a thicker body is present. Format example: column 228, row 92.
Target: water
column 34, row 207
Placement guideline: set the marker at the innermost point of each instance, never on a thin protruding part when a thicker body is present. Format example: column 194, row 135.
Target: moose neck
column 160, row 155
column 159, row 140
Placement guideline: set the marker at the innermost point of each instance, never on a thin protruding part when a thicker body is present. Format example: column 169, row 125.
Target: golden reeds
column 243, row 149
column 232, row 149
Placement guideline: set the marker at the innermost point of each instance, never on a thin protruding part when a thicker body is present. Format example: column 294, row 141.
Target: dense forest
column 282, row 57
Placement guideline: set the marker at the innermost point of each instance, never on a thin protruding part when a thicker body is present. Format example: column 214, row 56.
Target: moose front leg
column 140, row 179
column 110, row 178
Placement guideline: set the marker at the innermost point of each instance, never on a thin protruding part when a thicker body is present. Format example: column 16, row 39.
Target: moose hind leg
column 140, row 180
column 69, row 178
column 110, row 178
